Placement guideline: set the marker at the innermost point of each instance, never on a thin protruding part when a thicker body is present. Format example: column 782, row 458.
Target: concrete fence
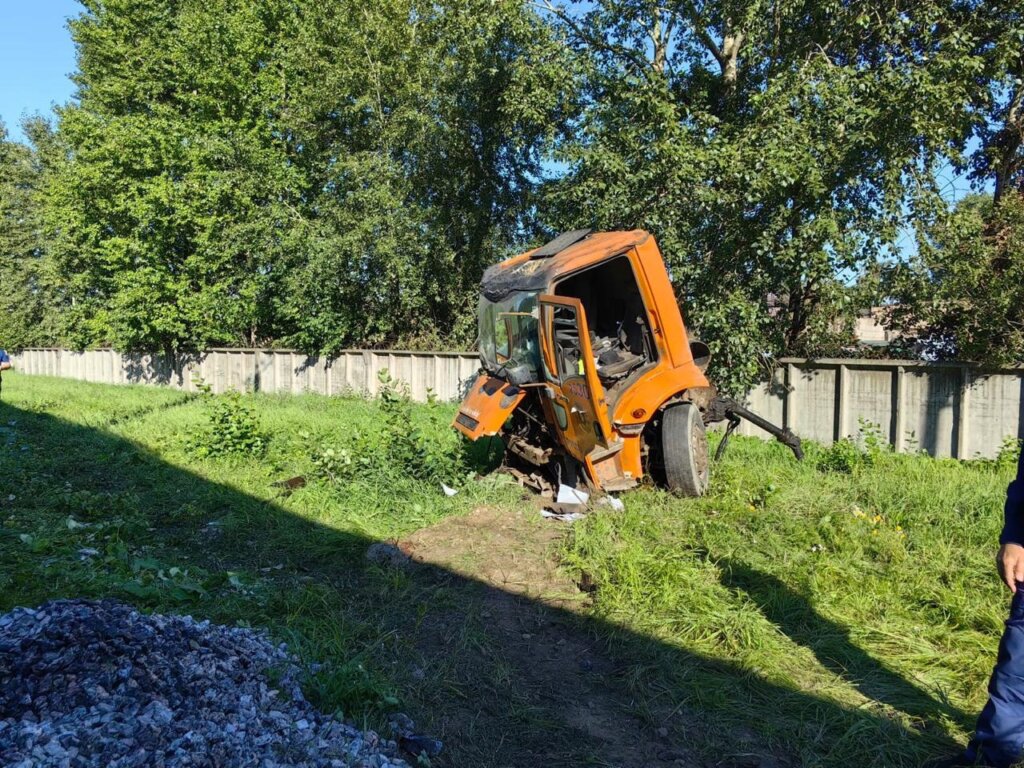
column 443, row 374
column 946, row 409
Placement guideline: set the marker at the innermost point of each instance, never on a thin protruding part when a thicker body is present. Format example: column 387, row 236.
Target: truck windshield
column 508, row 333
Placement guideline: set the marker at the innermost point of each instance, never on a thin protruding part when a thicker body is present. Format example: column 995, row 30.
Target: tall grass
column 872, row 588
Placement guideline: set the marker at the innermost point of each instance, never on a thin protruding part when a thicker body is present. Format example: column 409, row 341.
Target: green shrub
column 1006, row 457
column 842, row 456
column 232, row 428
column 849, row 454
column 400, row 449
column 336, row 465
column 406, row 447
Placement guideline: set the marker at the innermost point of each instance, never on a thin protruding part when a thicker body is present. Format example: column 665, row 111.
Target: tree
column 997, row 108
column 338, row 174
column 959, row 295
column 26, row 316
column 774, row 148
column 166, row 208
column 962, row 295
column 426, row 147
column 311, row 174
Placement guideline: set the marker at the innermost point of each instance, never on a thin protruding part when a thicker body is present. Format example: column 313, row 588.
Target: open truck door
column 574, row 392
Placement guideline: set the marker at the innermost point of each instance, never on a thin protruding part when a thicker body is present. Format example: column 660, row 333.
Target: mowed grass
column 844, row 618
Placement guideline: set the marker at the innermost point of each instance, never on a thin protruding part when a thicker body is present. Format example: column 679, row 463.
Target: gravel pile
column 100, row 684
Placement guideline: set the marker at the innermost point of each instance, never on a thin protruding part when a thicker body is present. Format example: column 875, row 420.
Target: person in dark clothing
column 5, row 364
column 999, row 735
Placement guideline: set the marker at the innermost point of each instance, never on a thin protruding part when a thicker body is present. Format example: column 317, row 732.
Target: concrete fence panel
column 946, row 409
column 443, row 375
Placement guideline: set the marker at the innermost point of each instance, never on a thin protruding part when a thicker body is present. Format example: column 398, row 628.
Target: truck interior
column 620, row 331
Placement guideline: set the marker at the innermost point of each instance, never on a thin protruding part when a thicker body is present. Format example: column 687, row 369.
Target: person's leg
column 999, row 736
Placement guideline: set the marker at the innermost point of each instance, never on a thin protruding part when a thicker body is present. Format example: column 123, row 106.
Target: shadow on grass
column 503, row 680
column 830, row 642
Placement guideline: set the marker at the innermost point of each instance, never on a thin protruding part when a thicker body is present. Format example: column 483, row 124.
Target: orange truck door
column 574, row 392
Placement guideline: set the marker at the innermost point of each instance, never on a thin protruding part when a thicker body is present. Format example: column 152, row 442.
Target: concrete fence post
column 788, row 414
column 842, row 402
column 963, row 407
column 899, row 419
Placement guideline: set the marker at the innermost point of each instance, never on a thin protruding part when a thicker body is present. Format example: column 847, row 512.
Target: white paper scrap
column 567, row 495
column 614, row 503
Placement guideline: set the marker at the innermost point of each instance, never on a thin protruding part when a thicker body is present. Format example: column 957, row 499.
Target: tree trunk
column 659, row 41
column 730, row 55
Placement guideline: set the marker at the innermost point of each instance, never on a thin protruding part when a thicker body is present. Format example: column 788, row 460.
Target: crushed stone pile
column 86, row 683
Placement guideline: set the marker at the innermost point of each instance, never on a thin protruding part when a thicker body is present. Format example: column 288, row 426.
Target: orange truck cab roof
column 536, row 271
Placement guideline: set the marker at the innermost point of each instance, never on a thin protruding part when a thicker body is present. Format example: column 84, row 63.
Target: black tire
column 684, row 446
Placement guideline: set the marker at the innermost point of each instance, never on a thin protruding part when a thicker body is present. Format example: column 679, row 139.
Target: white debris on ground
column 569, row 495
column 571, row 502
column 87, row 684
column 565, row 517
column 614, row 503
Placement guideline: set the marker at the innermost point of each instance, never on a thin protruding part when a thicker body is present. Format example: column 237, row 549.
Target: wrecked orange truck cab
column 588, row 373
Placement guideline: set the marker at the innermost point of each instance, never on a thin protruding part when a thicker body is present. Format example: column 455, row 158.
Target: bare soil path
column 534, row 683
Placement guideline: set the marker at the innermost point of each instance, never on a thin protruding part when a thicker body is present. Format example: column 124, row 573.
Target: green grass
column 115, row 470
column 874, row 590
column 841, row 618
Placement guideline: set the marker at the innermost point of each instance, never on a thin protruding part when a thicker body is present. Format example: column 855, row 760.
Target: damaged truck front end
column 587, row 371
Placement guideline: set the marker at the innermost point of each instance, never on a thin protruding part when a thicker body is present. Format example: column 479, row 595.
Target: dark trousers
column 999, row 736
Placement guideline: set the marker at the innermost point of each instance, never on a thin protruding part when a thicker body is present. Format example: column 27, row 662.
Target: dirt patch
column 533, row 683
column 513, row 551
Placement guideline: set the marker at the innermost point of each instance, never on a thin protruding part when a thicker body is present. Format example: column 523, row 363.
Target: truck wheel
column 684, row 446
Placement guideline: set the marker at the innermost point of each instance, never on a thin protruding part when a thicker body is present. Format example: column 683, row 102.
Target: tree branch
column 1010, row 140
column 700, row 30
column 639, row 62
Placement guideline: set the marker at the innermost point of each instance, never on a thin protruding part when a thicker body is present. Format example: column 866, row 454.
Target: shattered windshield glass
column 508, row 333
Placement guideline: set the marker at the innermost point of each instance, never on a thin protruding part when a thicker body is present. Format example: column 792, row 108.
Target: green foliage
column 336, row 464
column 1006, row 458
column 397, row 450
column 773, row 148
column 232, row 427
column 843, row 456
column 154, row 582
column 789, row 602
column 850, row 454
column 961, row 295
column 328, row 175
column 1009, row 454
column 105, row 499
column 418, row 454
column 318, row 175
column 27, row 313
column 817, row 587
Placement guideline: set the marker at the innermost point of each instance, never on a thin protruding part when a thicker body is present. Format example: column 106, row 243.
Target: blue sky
column 36, row 58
